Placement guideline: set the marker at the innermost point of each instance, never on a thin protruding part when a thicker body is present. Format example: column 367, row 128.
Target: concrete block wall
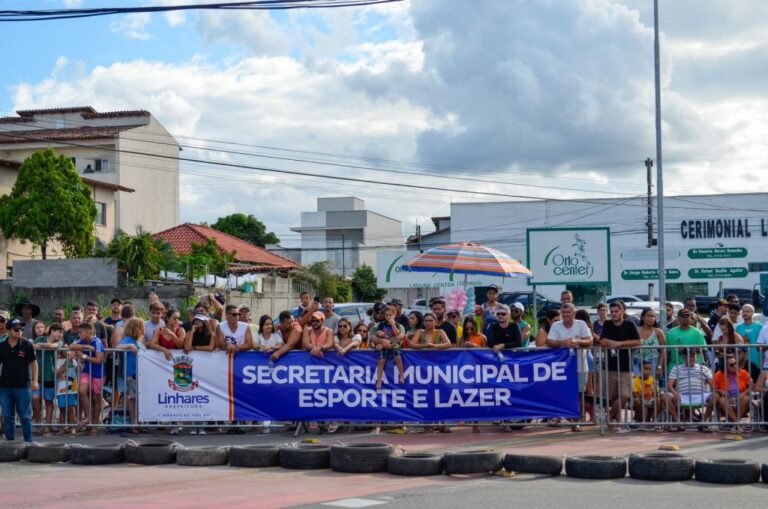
column 65, row 273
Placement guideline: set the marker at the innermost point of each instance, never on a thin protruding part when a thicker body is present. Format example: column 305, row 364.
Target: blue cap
column 492, row 286
column 15, row 323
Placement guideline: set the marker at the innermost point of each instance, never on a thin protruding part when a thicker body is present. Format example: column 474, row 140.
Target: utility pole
column 418, row 234
column 659, row 173
column 343, row 257
column 649, row 221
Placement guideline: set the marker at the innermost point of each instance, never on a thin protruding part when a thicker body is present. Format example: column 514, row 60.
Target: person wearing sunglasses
column 732, row 389
column 232, row 334
column 18, row 379
column 504, row 333
column 4, row 317
column 317, row 338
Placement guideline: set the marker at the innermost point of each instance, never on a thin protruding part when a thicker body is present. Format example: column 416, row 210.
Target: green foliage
column 247, row 228
column 205, row 259
column 328, row 284
column 140, row 256
column 365, row 285
column 49, row 202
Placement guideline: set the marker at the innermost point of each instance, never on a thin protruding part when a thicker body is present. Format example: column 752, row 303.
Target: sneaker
column 332, row 428
column 202, row 432
column 176, row 431
column 193, row 432
column 622, row 429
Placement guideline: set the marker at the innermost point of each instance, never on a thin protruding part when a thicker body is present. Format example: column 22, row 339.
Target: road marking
column 354, row 502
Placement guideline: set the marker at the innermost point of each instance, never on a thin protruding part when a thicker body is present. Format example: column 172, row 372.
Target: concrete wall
column 48, row 298
column 277, row 296
column 65, row 273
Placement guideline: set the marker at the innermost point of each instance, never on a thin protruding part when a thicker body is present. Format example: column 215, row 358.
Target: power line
column 271, row 5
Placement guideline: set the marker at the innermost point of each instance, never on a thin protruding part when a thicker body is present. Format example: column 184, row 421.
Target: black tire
column 727, row 471
column 660, row 466
column 202, row 456
column 360, row 458
column 415, row 463
column 48, row 453
column 150, row 452
column 596, row 467
column 764, row 472
column 472, row 462
column 13, row 451
column 254, row 456
column 306, row 457
column 97, row 455
column 527, row 464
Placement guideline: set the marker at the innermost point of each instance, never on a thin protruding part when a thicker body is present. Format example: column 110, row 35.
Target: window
column 102, row 164
column 101, row 214
column 758, row 266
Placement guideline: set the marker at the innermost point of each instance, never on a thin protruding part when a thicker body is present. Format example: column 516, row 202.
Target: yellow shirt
column 644, row 386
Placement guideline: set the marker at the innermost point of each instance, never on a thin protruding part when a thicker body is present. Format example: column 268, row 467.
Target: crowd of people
column 80, row 364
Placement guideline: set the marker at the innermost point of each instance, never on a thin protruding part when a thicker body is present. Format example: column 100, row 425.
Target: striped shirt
column 691, row 381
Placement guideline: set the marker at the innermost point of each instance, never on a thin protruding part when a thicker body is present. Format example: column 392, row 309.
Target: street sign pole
column 659, row 173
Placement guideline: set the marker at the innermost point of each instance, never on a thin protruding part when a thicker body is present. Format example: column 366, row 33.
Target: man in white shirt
column 689, row 385
column 572, row 333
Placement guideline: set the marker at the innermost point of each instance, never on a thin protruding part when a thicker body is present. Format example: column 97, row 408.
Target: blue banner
column 448, row 385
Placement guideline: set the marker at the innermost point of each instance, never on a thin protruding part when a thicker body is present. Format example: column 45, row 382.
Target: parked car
column 543, row 303
column 706, row 304
column 626, row 299
column 419, row 305
column 354, row 311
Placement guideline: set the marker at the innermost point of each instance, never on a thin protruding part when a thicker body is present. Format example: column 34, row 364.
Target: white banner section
column 189, row 387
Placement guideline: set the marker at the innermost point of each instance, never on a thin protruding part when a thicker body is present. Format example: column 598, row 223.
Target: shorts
column 590, row 362
column 694, row 400
column 65, row 400
column 95, row 383
column 582, row 382
column 388, row 354
column 625, row 389
column 127, row 387
column 47, row 393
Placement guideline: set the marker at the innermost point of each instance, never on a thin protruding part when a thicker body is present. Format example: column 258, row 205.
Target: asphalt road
column 29, row 485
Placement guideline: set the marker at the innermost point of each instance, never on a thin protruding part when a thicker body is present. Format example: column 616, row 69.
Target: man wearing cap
column 26, row 313
column 683, row 335
column 17, row 356
column 330, row 319
column 400, row 317
column 245, row 316
column 490, row 307
column 317, row 338
column 516, row 311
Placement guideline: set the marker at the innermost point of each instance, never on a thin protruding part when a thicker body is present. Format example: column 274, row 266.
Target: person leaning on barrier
column 619, row 336
column 18, row 372
column 45, row 347
column 345, row 339
column 317, row 338
column 170, row 337
column 232, row 335
column 267, row 339
column 430, row 337
column 683, row 335
column 92, row 376
column 291, row 332
column 126, row 375
column 504, row 333
column 201, row 336
column 437, row 305
column 470, row 337
column 689, row 385
column 545, row 323
column 750, row 333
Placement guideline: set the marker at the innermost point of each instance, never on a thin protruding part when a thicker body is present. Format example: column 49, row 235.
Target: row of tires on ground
column 376, row 457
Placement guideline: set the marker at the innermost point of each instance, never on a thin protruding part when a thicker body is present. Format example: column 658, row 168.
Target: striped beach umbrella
column 468, row 258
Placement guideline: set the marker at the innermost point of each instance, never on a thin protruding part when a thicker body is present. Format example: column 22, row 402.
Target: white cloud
column 133, row 25
column 70, row 4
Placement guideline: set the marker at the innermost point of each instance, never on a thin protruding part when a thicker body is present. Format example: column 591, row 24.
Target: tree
column 365, row 285
column 247, row 228
column 205, row 259
column 140, row 256
column 49, row 202
column 326, row 283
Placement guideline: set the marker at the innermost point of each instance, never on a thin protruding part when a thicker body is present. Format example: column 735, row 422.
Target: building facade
column 121, row 149
column 344, row 233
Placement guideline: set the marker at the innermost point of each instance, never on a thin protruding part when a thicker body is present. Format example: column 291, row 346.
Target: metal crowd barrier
column 63, row 405
column 694, row 402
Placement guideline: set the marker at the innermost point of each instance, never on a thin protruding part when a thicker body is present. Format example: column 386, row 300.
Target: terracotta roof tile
column 116, row 114
column 77, row 133
column 53, row 111
column 181, row 238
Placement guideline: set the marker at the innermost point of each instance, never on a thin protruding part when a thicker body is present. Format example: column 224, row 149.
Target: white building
column 127, row 149
column 709, row 240
column 344, row 233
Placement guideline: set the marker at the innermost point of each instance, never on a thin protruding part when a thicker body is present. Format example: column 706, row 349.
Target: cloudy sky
column 542, row 98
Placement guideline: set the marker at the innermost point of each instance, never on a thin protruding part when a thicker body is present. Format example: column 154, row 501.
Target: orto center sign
column 559, row 256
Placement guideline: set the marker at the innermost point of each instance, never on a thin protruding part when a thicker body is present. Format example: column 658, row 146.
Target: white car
column 419, row 305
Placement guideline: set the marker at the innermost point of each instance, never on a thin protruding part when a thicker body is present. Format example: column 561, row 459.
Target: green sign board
column 647, row 274
column 709, row 253
column 717, row 273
